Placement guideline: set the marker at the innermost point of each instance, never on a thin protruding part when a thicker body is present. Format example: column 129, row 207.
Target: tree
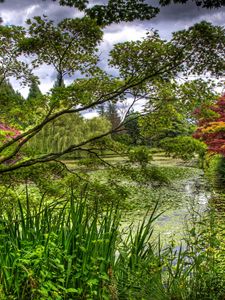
column 10, row 100
column 172, row 113
column 125, row 10
column 184, row 147
column 10, row 64
column 189, row 52
column 70, row 46
column 58, row 135
column 112, row 115
column 140, row 155
column 201, row 3
column 34, row 91
column 211, row 126
column 59, row 81
column 101, row 110
column 132, row 127
column 134, row 7
column 115, row 11
column 129, row 10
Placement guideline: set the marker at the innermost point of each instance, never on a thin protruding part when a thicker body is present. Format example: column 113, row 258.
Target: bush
column 184, row 147
column 215, row 170
column 140, row 155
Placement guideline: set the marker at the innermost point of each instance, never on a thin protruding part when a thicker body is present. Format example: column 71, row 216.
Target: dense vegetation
column 81, row 198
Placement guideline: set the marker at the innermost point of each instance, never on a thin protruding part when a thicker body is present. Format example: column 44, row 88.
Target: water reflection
column 190, row 195
column 195, row 199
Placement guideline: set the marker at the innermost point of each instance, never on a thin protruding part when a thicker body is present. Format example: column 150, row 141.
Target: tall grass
column 69, row 250
column 58, row 251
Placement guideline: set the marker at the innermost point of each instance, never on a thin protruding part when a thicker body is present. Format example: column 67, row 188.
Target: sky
column 171, row 18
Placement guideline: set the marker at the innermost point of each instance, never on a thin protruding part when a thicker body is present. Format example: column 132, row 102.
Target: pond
column 188, row 194
column 194, row 200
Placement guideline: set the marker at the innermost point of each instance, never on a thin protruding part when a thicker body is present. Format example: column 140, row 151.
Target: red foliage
column 9, row 131
column 211, row 129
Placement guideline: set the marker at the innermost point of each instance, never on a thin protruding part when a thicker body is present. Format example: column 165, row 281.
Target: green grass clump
column 59, row 251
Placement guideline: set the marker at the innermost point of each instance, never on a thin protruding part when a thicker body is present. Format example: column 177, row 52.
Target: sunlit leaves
column 68, row 130
column 184, row 147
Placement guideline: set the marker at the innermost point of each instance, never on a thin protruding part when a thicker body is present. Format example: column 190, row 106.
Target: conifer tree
column 132, row 127
column 59, row 81
column 34, row 91
column 9, row 100
column 101, row 110
column 113, row 115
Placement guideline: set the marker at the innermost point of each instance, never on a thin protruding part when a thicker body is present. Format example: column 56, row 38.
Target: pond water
column 194, row 201
column 187, row 193
column 179, row 201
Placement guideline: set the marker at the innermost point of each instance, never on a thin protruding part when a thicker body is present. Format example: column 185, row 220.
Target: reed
column 70, row 250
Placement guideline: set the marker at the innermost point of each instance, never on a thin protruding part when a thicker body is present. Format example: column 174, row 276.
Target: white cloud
column 30, row 11
column 90, row 115
column 218, row 18
column 126, row 33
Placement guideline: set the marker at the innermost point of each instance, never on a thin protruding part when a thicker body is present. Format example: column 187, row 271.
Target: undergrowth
column 68, row 249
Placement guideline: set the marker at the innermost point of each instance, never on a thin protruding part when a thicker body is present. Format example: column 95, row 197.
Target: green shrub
column 140, row 155
column 215, row 169
column 184, row 147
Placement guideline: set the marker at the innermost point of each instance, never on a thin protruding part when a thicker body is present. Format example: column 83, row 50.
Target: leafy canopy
column 201, row 3
column 148, row 69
